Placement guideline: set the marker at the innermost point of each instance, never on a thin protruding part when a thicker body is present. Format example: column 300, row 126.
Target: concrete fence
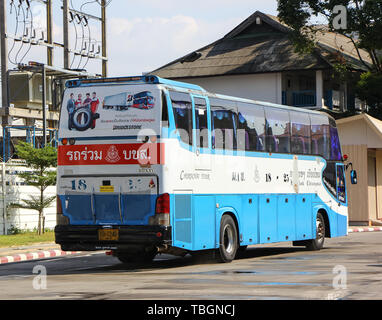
column 13, row 190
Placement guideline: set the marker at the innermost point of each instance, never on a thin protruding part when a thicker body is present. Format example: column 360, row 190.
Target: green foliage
column 25, row 238
column 38, row 159
column 369, row 89
column 42, row 176
column 363, row 29
column 14, row 230
column 363, row 23
column 35, row 203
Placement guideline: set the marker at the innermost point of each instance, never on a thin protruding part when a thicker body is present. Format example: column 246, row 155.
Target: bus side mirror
column 353, row 177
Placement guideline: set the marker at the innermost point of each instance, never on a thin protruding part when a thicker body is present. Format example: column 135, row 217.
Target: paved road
column 353, row 264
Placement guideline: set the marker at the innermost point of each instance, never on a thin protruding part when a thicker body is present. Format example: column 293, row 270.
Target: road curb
column 36, row 255
column 364, row 229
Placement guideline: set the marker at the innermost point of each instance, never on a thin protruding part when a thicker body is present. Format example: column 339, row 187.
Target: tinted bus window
column 300, row 138
column 201, row 123
column 341, row 191
column 224, row 120
column 164, row 111
column 182, row 107
column 329, row 178
column 251, row 127
column 320, row 135
column 277, row 130
column 335, row 147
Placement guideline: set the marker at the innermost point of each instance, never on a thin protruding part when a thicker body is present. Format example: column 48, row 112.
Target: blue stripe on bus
column 261, row 218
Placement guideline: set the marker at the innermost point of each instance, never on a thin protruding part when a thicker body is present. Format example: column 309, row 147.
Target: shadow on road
column 205, row 257
column 100, row 263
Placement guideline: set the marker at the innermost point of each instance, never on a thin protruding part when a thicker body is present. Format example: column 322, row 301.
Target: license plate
column 108, row 234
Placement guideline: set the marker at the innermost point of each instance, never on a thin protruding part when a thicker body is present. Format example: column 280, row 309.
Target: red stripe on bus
column 104, row 154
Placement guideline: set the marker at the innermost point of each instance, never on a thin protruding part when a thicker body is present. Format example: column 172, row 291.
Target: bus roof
column 151, row 79
column 148, row 79
column 267, row 104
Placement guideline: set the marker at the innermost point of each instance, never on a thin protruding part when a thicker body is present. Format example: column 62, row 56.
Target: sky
column 147, row 34
column 141, row 35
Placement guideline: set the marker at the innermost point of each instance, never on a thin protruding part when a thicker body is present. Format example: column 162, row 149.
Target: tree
column 358, row 20
column 42, row 176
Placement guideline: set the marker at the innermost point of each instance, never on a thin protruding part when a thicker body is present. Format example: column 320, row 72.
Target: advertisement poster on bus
column 104, row 111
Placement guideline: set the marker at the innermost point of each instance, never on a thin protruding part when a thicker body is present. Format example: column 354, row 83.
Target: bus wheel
column 228, row 239
column 318, row 243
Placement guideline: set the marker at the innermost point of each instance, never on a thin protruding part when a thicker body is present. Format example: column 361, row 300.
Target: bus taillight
column 60, row 218
column 163, row 204
column 162, row 210
column 58, row 205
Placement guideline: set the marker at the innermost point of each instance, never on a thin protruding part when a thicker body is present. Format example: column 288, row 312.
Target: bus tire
column 228, row 239
column 318, row 242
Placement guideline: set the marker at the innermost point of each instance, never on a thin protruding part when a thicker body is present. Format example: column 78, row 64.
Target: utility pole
column 44, row 137
column 49, row 29
column 4, row 197
column 104, row 51
column 65, row 14
column 4, row 62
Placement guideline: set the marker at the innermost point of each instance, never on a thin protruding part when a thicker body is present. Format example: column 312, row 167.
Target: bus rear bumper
column 86, row 238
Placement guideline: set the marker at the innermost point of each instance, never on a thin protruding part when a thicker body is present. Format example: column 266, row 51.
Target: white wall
column 22, row 218
column 357, row 133
column 264, row 87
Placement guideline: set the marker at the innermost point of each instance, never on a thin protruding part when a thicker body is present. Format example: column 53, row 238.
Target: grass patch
column 25, row 239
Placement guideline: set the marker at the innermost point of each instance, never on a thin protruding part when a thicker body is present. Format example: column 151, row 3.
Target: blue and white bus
column 197, row 171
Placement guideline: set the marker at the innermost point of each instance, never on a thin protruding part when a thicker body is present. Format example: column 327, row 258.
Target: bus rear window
column 109, row 111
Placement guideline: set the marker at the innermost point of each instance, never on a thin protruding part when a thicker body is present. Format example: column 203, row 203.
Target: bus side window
column 320, row 135
column 164, row 111
column 335, row 147
column 341, row 192
column 300, row 139
column 182, row 107
column 251, row 127
column 329, row 178
column 224, row 124
column 201, row 123
column 277, row 130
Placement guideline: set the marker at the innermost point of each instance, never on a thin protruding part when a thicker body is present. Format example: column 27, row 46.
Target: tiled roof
column 254, row 47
